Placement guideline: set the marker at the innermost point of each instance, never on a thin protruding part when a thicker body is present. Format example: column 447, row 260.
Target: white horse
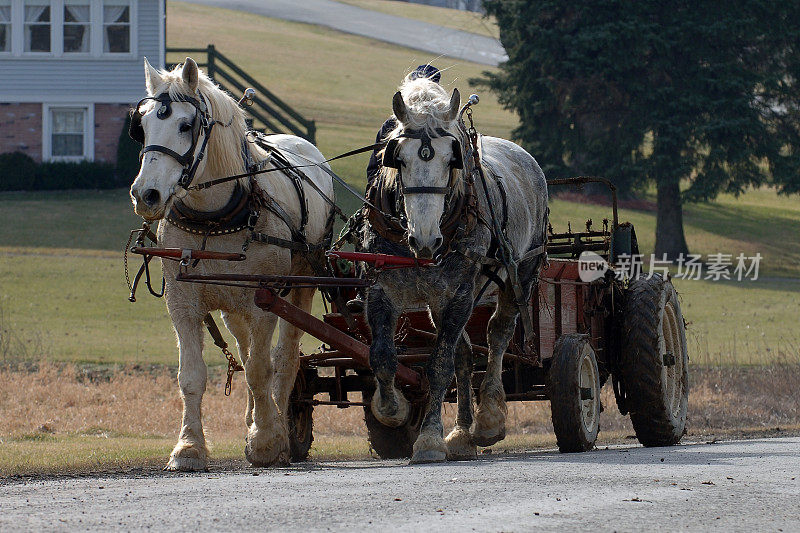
column 428, row 167
column 173, row 120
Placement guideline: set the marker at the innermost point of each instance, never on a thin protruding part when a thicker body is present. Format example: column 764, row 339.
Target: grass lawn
column 449, row 18
column 63, row 294
column 62, row 290
column 344, row 82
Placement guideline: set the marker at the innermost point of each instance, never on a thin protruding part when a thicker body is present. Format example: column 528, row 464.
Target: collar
column 231, row 218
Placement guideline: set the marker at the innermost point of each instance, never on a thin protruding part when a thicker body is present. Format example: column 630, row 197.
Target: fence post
column 312, row 132
column 210, row 68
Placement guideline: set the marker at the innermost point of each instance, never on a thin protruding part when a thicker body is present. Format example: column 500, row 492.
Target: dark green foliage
column 17, row 171
column 58, row 175
column 654, row 91
column 127, row 157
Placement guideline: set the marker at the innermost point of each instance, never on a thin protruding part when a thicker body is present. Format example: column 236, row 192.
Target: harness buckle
column 186, row 257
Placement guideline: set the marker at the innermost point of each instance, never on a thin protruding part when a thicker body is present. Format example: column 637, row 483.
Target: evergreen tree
column 657, row 92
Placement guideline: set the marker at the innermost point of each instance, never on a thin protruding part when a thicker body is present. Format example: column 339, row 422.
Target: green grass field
column 62, row 289
column 344, row 82
column 449, row 18
column 63, row 293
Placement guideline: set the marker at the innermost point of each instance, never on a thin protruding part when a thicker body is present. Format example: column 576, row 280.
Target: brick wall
column 109, row 119
column 21, row 129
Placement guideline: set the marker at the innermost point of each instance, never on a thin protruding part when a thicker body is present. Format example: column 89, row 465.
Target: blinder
column 425, row 152
column 135, row 129
column 186, row 160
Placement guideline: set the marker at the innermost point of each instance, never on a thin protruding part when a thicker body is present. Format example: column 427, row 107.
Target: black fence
column 268, row 112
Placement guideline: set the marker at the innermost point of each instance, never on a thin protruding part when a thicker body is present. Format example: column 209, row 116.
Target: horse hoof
column 266, row 458
column 428, row 449
column 490, row 419
column 429, row 456
column 186, row 464
column 488, row 437
column 460, row 446
column 396, row 419
column 265, row 452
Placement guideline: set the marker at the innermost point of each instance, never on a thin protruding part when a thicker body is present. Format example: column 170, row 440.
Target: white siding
column 101, row 80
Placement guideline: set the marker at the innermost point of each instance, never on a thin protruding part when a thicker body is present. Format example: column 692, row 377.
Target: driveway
column 436, row 40
column 726, row 486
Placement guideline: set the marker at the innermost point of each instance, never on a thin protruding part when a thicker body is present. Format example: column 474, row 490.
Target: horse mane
column 224, row 154
column 427, row 104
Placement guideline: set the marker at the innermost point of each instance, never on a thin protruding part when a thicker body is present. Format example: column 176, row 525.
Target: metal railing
column 268, row 112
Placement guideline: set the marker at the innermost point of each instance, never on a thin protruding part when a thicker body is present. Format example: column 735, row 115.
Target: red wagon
column 589, row 328
column 628, row 329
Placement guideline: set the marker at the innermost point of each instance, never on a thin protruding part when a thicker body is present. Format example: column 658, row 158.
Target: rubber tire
column 564, row 390
column 388, row 442
column 646, row 379
column 301, row 430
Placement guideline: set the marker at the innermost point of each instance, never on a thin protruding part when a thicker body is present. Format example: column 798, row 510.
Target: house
column 69, row 72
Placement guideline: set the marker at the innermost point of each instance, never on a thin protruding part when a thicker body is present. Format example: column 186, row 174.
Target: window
column 70, row 29
column 67, row 132
column 116, row 27
column 5, row 26
column 37, row 28
column 76, row 28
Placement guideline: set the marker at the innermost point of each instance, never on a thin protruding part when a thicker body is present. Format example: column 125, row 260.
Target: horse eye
column 186, row 126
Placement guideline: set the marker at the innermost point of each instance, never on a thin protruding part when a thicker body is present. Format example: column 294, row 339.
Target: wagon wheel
column 655, row 361
column 301, row 422
column 388, row 442
column 573, row 384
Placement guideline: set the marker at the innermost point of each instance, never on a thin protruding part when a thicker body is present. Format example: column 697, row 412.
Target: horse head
column 424, row 155
column 174, row 123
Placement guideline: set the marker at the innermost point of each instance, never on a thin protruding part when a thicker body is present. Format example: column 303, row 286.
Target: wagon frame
column 569, row 314
column 626, row 328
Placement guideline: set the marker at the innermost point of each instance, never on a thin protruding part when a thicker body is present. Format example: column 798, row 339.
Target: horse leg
column 459, row 442
column 238, row 327
column 388, row 404
column 286, row 353
column 490, row 416
column 268, row 436
column 190, row 453
column 440, row 369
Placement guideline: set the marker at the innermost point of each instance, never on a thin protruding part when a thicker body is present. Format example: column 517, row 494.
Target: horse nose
column 424, row 253
column 151, row 197
column 424, row 249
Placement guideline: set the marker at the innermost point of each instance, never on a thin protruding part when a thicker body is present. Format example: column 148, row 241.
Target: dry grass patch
column 56, row 418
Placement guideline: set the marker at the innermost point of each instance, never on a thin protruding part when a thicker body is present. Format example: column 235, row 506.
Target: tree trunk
column 669, row 220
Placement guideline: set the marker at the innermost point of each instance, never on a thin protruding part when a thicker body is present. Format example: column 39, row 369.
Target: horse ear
column 455, row 103
column 399, row 107
column 152, row 79
column 189, row 74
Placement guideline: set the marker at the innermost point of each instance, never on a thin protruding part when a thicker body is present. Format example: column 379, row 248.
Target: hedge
column 19, row 172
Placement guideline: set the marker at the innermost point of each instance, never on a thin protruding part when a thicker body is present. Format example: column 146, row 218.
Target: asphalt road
column 732, row 486
column 436, row 40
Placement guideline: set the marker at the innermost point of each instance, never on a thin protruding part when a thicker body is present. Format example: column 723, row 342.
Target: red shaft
column 269, row 301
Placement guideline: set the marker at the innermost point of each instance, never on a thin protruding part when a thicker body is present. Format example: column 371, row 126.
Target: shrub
column 17, row 172
column 127, row 157
column 58, row 175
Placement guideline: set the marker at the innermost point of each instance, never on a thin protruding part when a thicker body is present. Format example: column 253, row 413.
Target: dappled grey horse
column 430, row 181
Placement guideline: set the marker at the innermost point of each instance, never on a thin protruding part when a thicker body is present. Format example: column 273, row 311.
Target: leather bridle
column 426, row 152
column 203, row 122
